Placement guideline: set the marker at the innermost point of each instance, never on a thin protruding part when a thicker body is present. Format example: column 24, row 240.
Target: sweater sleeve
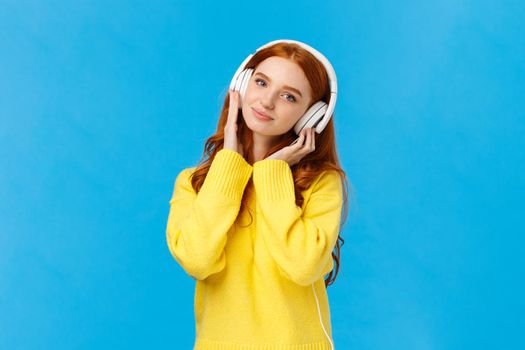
column 300, row 241
column 198, row 224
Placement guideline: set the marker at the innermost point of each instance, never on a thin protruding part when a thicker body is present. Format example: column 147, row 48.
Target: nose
column 267, row 99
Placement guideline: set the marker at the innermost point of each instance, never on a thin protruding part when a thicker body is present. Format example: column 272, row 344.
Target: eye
column 290, row 98
column 260, row 82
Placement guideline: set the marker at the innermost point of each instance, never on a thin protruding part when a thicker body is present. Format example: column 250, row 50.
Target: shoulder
column 183, row 179
column 187, row 172
column 326, row 191
column 329, row 182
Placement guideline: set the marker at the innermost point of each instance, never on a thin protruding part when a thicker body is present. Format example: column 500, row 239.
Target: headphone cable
column 321, row 319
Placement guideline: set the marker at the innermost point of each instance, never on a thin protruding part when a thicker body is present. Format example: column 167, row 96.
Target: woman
column 255, row 223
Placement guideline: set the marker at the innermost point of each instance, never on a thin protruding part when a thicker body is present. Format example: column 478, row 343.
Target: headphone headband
column 327, row 65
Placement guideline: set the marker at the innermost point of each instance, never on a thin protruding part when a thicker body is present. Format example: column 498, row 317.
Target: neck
column 261, row 145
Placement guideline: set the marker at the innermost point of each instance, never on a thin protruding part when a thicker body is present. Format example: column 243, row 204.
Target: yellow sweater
column 254, row 278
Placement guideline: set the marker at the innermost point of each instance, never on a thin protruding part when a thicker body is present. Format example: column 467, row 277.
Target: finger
column 306, row 133
column 297, row 141
column 312, row 144
column 307, row 147
column 300, row 140
column 233, row 98
column 233, row 108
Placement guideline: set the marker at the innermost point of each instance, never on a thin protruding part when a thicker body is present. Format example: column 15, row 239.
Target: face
column 277, row 95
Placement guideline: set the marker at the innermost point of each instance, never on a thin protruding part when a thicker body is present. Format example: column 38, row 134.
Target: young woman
column 255, row 223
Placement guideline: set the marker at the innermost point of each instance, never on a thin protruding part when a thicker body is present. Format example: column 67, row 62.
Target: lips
column 260, row 115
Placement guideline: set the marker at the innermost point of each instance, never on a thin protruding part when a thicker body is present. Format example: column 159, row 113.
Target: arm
column 300, row 241
column 198, row 223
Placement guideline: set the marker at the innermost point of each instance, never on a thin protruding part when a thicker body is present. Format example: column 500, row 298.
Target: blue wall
column 103, row 103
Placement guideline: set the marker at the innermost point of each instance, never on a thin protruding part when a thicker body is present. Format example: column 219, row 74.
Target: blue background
column 103, row 103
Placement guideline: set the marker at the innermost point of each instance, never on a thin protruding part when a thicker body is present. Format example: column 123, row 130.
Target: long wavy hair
column 323, row 158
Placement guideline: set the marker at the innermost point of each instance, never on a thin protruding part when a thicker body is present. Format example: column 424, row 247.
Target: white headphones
column 319, row 114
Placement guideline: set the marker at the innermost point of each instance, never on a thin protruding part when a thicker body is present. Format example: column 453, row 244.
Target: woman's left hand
column 294, row 153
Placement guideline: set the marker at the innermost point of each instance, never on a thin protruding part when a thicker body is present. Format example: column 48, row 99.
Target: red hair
column 323, row 158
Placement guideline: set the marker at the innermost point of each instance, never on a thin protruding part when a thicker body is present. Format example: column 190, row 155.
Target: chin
column 253, row 126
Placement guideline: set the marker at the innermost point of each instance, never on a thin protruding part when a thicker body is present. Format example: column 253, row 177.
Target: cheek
column 249, row 93
column 244, row 110
column 294, row 113
column 245, row 101
column 246, row 104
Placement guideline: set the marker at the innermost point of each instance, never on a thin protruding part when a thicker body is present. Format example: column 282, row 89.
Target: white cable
column 321, row 319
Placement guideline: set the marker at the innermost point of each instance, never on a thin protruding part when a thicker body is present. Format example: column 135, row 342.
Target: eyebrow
column 286, row 87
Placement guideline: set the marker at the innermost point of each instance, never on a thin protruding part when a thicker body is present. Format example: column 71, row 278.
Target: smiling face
column 277, row 95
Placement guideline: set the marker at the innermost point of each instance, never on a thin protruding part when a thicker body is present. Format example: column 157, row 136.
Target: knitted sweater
column 254, row 269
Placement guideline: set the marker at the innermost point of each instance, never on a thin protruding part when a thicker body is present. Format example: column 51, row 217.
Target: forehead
column 283, row 71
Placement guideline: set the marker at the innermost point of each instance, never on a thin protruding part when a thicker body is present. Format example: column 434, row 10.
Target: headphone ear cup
column 245, row 80
column 238, row 81
column 311, row 117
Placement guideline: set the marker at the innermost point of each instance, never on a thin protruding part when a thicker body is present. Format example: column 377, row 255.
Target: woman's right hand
column 230, row 130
